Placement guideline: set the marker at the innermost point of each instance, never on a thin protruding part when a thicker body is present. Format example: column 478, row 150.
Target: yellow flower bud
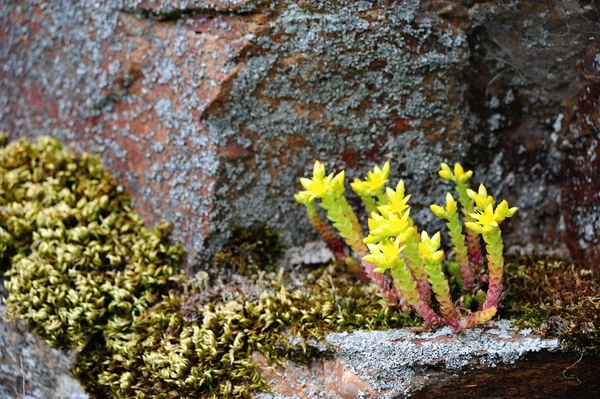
column 438, row 256
column 451, row 206
column 436, row 239
column 482, row 191
column 464, row 178
column 458, row 170
column 445, row 175
column 472, row 194
column 438, row 211
column 318, row 170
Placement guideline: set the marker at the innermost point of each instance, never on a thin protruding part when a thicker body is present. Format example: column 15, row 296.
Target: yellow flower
column 391, row 226
column 384, row 254
column 397, row 202
column 318, row 186
column 374, row 182
column 487, row 219
column 481, row 197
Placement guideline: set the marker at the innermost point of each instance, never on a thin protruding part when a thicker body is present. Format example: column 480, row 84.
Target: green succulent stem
column 415, row 264
column 404, row 282
column 494, row 247
column 346, row 223
column 333, row 242
column 439, row 285
column 467, row 204
column 369, row 202
column 473, row 242
column 344, row 220
column 478, row 318
column 461, row 252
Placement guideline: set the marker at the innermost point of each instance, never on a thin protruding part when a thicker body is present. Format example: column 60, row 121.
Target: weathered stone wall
column 209, row 111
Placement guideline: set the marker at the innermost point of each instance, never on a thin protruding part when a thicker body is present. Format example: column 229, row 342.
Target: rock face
column 30, row 369
column 495, row 362
column 209, row 111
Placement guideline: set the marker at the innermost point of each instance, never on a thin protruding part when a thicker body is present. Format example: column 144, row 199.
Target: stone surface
column 493, row 362
column 209, row 111
column 45, row 371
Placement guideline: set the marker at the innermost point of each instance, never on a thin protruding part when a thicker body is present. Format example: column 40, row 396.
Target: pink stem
column 466, row 272
column 422, row 285
column 336, row 245
column 430, row 318
column 390, row 295
column 474, row 246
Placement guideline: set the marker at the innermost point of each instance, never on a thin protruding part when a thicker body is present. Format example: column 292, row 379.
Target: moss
column 558, row 299
column 249, row 249
column 82, row 263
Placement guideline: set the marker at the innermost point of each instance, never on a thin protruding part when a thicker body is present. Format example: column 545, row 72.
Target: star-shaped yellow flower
column 391, row 226
column 481, row 197
column 487, row 219
column 320, row 185
column 384, row 254
column 374, row 182
column 397, row 201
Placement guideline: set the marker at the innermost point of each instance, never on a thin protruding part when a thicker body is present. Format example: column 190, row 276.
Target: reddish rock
column 208, row 112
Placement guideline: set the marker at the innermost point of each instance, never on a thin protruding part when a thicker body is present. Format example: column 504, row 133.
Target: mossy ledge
column 85, row 274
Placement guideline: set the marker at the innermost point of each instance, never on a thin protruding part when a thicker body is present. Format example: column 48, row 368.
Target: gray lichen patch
column 46, row 371
column 389, row 360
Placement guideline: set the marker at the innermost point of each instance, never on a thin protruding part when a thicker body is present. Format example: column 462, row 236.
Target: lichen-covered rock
column 45, row 371
column 496, row 361
column 209, row 111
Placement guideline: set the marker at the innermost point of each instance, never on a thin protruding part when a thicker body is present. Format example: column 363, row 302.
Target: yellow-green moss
column 556, row 298
column 82, row 264
column 186, row 351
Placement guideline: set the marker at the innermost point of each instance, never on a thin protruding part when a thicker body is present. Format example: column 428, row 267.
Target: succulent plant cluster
column 414, row 259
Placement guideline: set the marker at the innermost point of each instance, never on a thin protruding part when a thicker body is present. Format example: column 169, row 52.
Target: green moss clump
column 82, row 263
column 248, row 250
column 187, row 350
column 558, row 300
